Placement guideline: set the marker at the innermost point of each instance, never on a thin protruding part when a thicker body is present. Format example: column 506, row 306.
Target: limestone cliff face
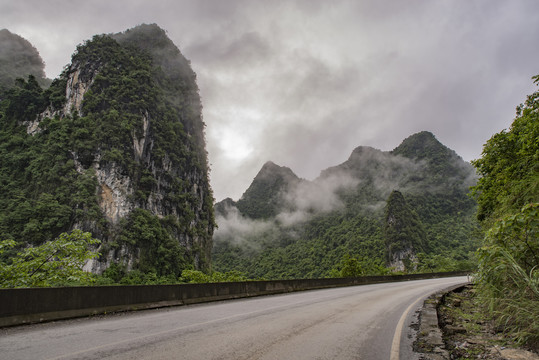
column 79, row 80
column 404, row 233
column 114, row 192
column 141, row 138
column 401, row 253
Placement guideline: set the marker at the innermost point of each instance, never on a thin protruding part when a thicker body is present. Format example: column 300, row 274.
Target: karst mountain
column 114, row 146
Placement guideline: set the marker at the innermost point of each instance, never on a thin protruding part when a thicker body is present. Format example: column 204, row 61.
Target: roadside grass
column 468, row 332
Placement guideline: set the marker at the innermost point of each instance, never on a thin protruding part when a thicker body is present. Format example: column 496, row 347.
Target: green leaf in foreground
column 54, row 263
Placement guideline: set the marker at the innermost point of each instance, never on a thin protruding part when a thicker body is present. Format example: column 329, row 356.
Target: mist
column 300, row 201
column 239, row 230
column 368, row 174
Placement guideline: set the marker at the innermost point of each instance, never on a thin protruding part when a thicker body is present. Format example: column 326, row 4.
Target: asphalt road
column 360, row 322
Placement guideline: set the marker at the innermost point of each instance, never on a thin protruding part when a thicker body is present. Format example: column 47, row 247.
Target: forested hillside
column 286, row 227
column 115, row 146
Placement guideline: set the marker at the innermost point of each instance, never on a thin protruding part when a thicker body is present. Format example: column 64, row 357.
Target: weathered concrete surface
column 429, row 341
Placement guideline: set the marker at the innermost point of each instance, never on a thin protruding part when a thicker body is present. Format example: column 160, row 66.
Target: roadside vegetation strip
column 453, row 326
column 469, row 332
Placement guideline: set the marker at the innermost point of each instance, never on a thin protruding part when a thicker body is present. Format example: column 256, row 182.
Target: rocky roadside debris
column 452, row 327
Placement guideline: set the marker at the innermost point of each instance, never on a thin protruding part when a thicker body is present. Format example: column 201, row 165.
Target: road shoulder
column 451, row 327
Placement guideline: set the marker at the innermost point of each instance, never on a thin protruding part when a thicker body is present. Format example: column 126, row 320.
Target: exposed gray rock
column 114, row 191
column 429, row 342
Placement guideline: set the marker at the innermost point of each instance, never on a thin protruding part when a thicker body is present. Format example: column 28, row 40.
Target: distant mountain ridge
column 432, row 179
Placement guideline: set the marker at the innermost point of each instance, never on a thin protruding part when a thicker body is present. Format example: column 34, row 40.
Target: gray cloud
column 224, row 52
column 304, row 82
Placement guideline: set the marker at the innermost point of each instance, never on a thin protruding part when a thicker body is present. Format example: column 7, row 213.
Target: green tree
column 54, row 263
column 159, row 252
column 351, row 267
column 358, row 266
column 508, row 198
column 509, row 165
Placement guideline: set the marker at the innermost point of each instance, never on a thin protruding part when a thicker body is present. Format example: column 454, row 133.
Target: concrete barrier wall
column 30, row 305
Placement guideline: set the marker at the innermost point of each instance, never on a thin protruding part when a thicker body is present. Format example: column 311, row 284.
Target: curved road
column 360, row 322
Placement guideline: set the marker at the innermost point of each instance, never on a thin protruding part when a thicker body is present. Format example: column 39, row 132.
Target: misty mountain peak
column 361, row 161
column 441, row 160
column 165, row 54
column 363, row 150
column 306, row 225
column 18, row 59
column 420, row 145
column 272, row 170
column 264, row 197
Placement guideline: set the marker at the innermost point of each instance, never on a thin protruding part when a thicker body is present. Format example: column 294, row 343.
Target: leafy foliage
column 159, row 252
column 509, row 165
column 117, row 275
column 54, row 263
column 508, row 197
column 355, row 267
column 509, row 275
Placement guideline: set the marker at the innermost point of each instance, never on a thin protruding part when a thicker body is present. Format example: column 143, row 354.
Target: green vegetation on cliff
column 404, row 232
column 115, row 146
column 43, row 193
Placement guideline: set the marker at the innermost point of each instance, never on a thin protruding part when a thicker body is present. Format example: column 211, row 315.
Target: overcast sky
column 302, row 83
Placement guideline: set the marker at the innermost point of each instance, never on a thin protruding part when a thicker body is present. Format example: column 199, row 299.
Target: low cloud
column 301, row 202
column 320, row 196
column 238, row 229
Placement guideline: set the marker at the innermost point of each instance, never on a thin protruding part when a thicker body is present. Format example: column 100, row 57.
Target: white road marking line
column 395, row 345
